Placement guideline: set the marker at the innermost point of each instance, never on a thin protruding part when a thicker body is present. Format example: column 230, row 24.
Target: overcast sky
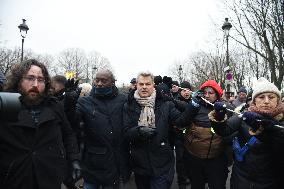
column 135, row 35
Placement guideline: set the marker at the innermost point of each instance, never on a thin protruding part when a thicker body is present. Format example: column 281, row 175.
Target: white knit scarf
column 147, row 115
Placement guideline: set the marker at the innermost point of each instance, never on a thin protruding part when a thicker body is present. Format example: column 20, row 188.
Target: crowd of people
column 66, row 130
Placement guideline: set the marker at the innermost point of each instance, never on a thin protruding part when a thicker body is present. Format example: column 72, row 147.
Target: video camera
column 10, row 105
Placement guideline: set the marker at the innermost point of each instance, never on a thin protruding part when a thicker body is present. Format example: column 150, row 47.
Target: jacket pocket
column 98, row 158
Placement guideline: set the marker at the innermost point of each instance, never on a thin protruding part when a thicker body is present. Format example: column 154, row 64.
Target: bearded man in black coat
column 37, row 142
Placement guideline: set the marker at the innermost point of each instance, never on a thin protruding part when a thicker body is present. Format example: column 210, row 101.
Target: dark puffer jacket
column 105, row 156
column 155, row 156
column 263, row 163
column 33, row 154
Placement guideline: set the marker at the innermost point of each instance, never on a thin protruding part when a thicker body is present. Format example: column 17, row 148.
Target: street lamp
column 228, row 73
column 23, row 30
column 93, row 70
column 180, row 73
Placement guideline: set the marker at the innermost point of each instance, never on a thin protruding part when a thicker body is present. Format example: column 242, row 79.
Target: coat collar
column 25, row 118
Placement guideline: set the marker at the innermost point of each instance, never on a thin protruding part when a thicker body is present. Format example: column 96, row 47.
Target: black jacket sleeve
column 185, row 118
column 130, row 129
column 68, row 135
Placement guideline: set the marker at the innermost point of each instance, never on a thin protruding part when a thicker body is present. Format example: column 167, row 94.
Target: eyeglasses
column 32, row 79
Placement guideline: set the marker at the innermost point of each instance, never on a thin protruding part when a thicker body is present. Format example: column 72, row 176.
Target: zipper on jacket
column 210, row 145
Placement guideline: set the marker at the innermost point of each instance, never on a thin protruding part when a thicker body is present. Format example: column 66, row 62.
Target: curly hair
column 19, row 70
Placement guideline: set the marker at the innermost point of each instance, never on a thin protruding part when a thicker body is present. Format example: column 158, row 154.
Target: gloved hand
column 254, row 120
column 76, row 170
column 165, row 91
column 146, row 132
column 168, row 81
column 196, row 98
column 167, row 97
column 71, row 85
column 220, row 110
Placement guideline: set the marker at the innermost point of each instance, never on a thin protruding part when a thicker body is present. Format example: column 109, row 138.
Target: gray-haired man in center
column 147, row 117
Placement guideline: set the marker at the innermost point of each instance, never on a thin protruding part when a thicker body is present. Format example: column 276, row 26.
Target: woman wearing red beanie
column 205, row 157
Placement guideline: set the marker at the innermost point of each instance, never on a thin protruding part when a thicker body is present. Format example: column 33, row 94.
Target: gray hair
column 145, row 74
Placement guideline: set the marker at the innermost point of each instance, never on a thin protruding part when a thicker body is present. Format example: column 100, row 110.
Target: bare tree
column 8, row 57
column 48, row 61
column 180, row 71
column 263, row 19
column 73, row 60
column 95, row 61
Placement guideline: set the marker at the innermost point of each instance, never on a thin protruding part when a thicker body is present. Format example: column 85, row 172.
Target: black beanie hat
column 185, row 84
column 175, row 83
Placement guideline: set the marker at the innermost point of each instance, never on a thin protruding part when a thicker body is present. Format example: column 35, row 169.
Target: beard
column 32, row 97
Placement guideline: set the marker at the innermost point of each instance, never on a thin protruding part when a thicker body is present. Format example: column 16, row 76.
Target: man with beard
column 37, row 143
column 104, row 153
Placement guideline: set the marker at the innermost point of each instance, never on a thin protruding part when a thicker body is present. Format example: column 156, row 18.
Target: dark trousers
column 163, row 181
column 97, row 185
column 214, row 171
column 180, row 165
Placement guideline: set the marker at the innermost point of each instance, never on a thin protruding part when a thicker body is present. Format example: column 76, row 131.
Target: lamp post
column 228, row 74
column 23, row 30
column 180, row 73
column 93, row 70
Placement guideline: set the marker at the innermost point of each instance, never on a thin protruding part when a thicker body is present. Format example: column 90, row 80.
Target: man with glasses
column 36, row 143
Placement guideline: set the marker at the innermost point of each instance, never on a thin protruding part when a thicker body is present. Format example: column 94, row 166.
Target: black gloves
column 220, row 110
column 146, row 132
column 76, row 170
column 72, row 93
column 71, row 85
column 168, row 81
column 255, row 120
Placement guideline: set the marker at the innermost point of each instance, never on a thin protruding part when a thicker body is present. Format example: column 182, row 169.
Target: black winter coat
column 155, row 156
column 34, row 156
column 264, row 161
column 105, row 156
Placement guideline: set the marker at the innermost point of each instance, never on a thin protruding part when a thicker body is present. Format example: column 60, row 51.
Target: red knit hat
column 214, row 85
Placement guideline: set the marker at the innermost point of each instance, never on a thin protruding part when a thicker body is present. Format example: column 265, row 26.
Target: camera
column 10, row 105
